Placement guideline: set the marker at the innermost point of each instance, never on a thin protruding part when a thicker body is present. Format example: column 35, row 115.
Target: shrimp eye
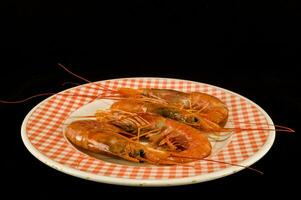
column 168, row 112
column 195, row 119
column 192, row 119
column 141, row 153
column 137, row 153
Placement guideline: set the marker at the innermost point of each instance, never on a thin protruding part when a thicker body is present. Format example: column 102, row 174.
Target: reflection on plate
column 43, row 127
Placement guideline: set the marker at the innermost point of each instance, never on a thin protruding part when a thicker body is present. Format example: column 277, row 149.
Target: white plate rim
column 149, row 183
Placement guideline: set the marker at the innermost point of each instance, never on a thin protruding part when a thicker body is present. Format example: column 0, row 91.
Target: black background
column 248, row 47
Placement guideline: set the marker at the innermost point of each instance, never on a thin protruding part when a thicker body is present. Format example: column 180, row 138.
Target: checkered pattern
column 44, row 130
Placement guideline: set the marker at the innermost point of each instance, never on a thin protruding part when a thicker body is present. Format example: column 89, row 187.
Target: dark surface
column 249, row 48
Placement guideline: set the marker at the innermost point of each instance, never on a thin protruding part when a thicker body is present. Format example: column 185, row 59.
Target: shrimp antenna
column 27, row 99
column 277, row 128
column 42, row 95
column 105, row 88
column 223, row 162
column 72, row 73
column 246, row 167
column 49, row 93
column 102, row 95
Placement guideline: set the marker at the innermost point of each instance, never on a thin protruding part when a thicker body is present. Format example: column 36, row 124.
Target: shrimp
column 161, row 133
column 171, row 142
column 193, row 119
column 97, row 137
column 208, row 106
column 101, row 138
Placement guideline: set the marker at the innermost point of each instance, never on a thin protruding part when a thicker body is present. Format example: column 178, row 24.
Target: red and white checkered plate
column 42, row 134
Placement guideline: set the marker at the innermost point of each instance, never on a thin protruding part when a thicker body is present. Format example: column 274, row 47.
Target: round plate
column 42, row 134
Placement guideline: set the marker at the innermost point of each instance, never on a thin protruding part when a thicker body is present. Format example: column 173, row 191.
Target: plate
column 42, row 134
